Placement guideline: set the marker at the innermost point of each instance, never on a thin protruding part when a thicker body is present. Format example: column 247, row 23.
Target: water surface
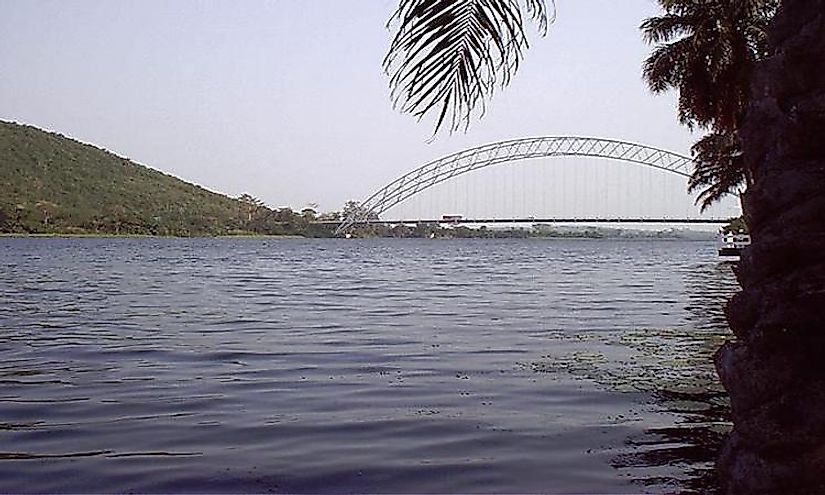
column 243, row 365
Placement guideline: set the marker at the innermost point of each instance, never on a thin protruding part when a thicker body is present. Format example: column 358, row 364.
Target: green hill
column 53, row 184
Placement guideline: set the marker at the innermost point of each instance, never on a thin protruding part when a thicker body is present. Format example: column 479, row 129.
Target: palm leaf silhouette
column 448, row 56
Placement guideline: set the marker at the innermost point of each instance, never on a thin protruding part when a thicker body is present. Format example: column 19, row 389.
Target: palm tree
column 707, row 50
column 450, row 55
column 773, row 372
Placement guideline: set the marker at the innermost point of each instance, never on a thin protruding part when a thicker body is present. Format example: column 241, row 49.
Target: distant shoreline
column 145, row 236
column 294, row 237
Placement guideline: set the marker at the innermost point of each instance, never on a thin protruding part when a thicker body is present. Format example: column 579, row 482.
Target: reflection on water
column 673, row 367
column 691, row 444
column 697, row 399
column 368, row 366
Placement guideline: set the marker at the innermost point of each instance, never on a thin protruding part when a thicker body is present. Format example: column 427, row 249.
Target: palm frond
column 665, row 28
column 663, row 69
column 448, row 56
column 719, row 167
column 538, row 11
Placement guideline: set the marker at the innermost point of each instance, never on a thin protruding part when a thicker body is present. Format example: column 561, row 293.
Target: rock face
column 775, row 370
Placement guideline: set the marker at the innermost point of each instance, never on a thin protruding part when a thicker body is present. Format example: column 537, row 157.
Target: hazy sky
column 286, row 99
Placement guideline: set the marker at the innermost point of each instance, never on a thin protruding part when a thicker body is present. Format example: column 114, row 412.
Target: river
column 392, row 366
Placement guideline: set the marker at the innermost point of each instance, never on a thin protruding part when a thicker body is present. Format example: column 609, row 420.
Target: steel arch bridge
column 486, row 155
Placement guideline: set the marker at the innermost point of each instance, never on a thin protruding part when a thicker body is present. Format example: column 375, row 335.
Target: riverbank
column 144, row 236
column 699, row 238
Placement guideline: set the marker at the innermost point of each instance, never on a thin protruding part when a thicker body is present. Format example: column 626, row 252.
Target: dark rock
column 775, row 371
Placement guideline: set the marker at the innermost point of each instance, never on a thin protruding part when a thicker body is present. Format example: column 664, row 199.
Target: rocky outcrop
column 775, row 370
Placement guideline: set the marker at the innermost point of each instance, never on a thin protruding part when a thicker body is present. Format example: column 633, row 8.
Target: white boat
column 733, row 244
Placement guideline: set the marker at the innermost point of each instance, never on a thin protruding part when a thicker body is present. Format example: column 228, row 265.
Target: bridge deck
column 536, row 220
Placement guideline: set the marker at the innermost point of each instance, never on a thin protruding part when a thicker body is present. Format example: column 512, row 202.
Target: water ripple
column 241, row 365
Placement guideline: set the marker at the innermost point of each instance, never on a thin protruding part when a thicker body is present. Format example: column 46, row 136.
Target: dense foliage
column 707, row 50
column 53, row 184
column 736, row 226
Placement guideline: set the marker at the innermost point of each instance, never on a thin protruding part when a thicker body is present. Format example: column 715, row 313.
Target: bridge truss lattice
column 462, row 162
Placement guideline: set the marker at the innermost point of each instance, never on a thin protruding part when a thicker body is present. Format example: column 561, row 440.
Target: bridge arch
column 468, row 160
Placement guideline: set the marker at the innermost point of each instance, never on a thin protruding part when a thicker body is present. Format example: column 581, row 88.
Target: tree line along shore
column 55, row 186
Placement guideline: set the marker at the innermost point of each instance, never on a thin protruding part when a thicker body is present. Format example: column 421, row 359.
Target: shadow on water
column 692, row 443
column 682, row 405
column 689, row 392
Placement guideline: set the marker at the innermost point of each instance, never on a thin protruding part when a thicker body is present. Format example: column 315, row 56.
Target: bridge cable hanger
column 462, row 162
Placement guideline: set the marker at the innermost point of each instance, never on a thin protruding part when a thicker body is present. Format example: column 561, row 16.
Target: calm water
column 158, row 365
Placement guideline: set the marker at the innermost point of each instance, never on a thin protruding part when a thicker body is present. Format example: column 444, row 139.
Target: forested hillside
column 50, row 183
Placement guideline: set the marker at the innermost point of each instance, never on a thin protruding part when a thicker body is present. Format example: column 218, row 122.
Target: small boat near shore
column 733, row 244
